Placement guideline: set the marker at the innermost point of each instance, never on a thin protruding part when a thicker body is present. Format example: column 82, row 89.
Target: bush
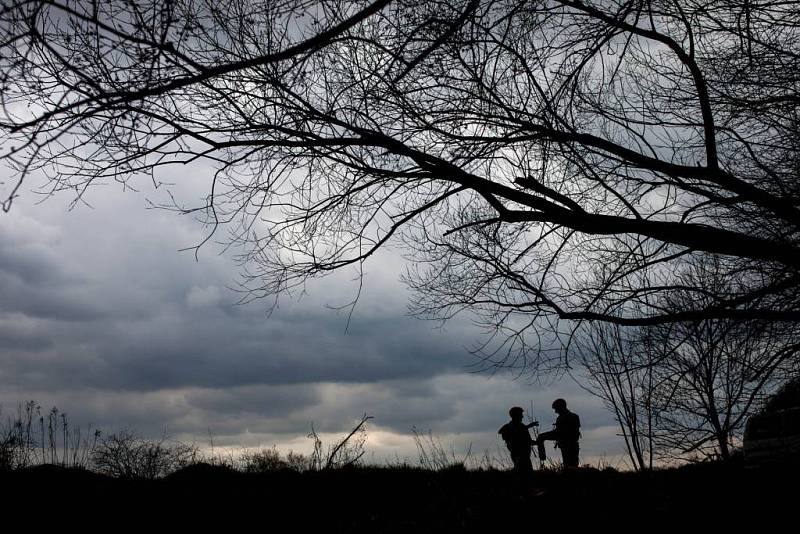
column 266, row 460
column 125, row 455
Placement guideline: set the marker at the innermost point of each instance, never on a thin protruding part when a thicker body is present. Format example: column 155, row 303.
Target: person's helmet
column 515, row 409
column 559, row 404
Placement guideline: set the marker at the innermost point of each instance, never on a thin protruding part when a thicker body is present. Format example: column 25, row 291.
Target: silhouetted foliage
column 434, row 456
column 265, row 460
column 346, row 452
column 405, row 500
column 541, row 160
column 126, row 455
column 31, row 438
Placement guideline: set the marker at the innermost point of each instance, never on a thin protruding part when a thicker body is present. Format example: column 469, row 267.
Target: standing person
column 566, row 433
column 518, row 440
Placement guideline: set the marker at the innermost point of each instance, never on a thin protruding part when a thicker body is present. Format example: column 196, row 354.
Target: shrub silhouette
column 266, row 460
column 125, row 455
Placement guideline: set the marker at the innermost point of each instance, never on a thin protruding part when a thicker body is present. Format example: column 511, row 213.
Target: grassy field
column 403, row 499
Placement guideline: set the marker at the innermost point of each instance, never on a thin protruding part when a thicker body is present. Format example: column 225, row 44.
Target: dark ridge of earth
column 404, row 500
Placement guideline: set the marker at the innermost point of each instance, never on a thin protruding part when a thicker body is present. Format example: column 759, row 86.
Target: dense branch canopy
column 542, row 160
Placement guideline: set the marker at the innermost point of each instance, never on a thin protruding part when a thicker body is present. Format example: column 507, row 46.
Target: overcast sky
column 102, row 316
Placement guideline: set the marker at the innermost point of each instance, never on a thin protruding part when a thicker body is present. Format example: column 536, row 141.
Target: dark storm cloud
column 276, row 401
column 34, row 282
column 147, row 318
column 178, row 347
column 19, row 335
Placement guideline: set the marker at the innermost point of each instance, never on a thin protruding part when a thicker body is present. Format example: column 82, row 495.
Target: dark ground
column 405, row 500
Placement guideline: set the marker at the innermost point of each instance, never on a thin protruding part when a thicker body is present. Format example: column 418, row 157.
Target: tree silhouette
column 709, row 376
column 620, row 368
column 686, row 389
column 541, row 161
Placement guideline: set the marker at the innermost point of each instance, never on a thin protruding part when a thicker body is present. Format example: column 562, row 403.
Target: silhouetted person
column 566, row 433
column 518, row 440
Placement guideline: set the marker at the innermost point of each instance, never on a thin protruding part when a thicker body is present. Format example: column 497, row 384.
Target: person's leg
column 569, row 454
column 526, row 465
column 522, row 463
column 543, row 437
column 549, row 435
column 541, row 450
